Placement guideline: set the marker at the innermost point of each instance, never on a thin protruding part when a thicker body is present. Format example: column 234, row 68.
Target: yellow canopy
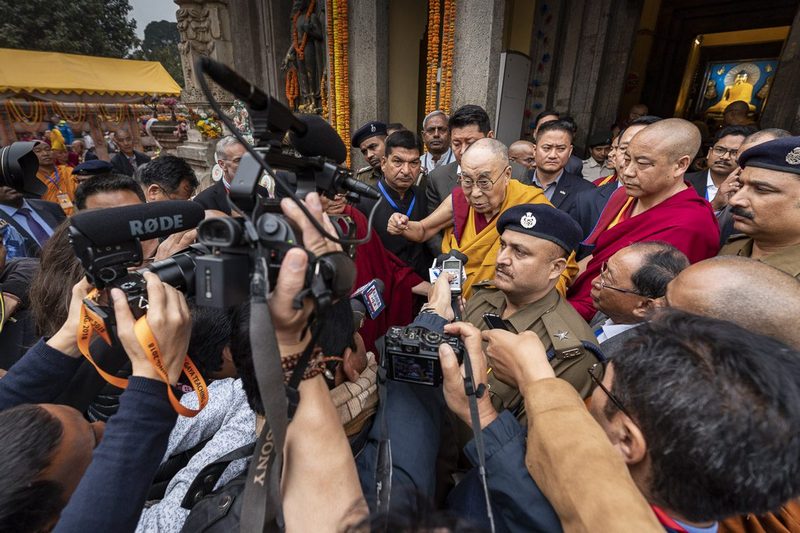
column 53, row 72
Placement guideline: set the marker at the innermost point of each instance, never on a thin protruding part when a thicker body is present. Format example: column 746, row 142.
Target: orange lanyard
column 91, row 324
column 622, row 212
column 607, row 179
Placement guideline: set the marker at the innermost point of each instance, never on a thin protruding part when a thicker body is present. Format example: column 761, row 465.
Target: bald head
column 746, row 292
column 523, row 152
column 675, row 137
column 762, row 136
column 487, row 147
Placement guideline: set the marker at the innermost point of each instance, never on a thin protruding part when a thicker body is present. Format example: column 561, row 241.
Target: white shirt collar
column 711, row 188
column 610, row 329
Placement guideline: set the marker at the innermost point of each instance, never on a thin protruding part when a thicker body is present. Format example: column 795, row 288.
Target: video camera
column 18, row 167
column 411, row 354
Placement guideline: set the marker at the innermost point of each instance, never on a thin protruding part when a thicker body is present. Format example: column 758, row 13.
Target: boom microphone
column 319, row 139
column 115, row 225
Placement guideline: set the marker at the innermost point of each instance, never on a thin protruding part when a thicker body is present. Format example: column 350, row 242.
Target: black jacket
column 568, row 187
column 214, row 197
column 123, row 166
column 698, row 180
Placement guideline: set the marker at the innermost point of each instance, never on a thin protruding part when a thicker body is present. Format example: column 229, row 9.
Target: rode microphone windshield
column 105, row 227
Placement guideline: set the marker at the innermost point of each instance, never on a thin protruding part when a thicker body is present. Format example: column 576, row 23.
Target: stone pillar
column 476, row 58
column 263, row 37
column 205, row 30
column 591, row 56
column 368, row 21
column 782, row 109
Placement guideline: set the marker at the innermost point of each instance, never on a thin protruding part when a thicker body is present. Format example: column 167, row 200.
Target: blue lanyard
column 394, row 205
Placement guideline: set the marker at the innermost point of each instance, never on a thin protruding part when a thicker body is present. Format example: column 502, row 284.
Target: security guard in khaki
column 767, row 221
column 370, row 140
column 525, row 231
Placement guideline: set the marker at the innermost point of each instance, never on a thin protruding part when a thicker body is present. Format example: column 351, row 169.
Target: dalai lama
column 469, row 215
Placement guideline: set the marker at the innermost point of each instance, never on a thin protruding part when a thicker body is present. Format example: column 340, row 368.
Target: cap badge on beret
column 372, row 128
column 528, row 221
column 793, row 157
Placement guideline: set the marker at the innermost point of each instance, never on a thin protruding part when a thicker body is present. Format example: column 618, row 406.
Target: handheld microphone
column 114, row 225
column 368, row 297
column 319, row 139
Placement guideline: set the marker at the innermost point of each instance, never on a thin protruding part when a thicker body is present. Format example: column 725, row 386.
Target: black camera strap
column 473, row 394
column 261, row 506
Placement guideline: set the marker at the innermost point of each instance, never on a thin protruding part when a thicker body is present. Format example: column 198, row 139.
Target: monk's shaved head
column 749, row 293
column 675, row 136
column 490, row 147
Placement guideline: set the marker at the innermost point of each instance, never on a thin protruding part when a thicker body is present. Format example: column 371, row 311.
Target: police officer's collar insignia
column 562, row 335
column 372, row 128
column 793, row 157
column 528, row 221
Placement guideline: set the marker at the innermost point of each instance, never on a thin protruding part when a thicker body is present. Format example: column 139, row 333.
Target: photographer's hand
column 66, row 339
column 452, row 374
column 517, row 359
column 170, row 323
column 440, row 297
column 290, row 322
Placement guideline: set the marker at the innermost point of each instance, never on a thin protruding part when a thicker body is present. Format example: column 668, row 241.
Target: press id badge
column 64, row 201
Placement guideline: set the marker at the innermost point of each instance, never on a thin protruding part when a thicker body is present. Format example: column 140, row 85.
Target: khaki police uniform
column 786, row 260
column 369, row 175
column 557, row 325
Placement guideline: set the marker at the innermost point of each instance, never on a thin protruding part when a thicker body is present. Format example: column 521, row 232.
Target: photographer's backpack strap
column 213, row 511
column 205, row 480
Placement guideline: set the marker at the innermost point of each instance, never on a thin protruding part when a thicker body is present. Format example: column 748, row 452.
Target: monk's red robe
column 374, row 261
column 685, row 221
column 599, row 182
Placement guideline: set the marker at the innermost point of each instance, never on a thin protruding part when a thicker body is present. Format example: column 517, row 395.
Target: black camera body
column 411, row 354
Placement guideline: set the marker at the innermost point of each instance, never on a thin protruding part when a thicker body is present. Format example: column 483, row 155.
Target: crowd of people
column 629, row 357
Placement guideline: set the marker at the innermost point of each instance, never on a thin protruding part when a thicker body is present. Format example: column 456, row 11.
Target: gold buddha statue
column 741, row 89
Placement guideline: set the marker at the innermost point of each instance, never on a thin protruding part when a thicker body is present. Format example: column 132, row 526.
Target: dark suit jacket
column 50, row 212
column 588, row 204
column 698, row 181
column 568, row 187
column 214, row 197
column 123, row 166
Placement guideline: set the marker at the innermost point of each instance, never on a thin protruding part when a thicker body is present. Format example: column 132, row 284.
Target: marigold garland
column 300, row 48
column 120, row 115
column 292, row 86
column 338, row 69
column 439, row 61
column 61, row 111
column 330, row 114
column 37, row 112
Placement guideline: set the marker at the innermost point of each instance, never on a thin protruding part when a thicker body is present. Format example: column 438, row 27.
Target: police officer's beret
column 543, row 221
column 782, row 155
column 93, row 167
column 370, row 129
column 599, row 138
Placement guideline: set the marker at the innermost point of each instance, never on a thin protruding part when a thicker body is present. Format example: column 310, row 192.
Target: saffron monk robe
column 655, row 204
column 61, row 184
column 469, row 215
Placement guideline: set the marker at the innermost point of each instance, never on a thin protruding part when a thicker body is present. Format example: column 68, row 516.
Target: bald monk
column 523, row 153
column 734, row 288
column 469, row 214
column 655, row 204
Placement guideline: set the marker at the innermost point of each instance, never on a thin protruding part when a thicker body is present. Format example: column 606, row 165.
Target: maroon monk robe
column 685, row 221
column 374, row 261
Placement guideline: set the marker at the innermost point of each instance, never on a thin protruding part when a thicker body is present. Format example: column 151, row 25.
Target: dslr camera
column 411, row 354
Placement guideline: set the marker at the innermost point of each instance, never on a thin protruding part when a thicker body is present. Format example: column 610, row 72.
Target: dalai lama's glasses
column 605, row 285
column 596, row 372
column 484, row 184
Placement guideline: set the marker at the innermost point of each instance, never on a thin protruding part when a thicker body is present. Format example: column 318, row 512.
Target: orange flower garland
column 292, row 86
column 329, row 103
column 432, row 64
column 301, row 47
column 339, row 71
column 61, row 111
column 448, row 44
